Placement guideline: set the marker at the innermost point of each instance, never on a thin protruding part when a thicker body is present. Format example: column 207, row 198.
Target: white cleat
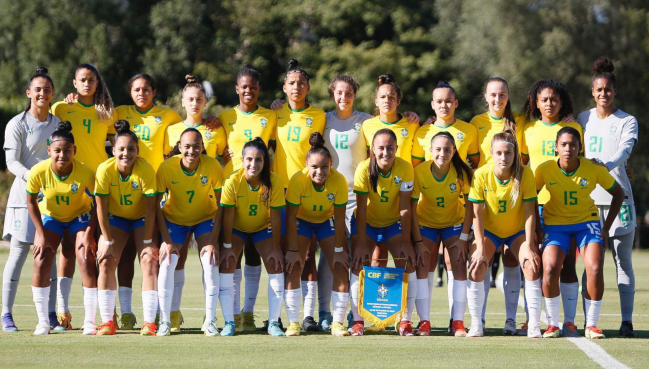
column 164, row 329
column 510, row 328
column 42, row 329
column 210, row 329
column 476, row 331
column 534, row 331
column 89, row 329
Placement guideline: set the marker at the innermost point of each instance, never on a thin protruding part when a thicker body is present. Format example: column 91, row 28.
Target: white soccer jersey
column 610, row 140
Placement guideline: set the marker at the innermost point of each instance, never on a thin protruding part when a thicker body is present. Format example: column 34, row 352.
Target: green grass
column 191, row 349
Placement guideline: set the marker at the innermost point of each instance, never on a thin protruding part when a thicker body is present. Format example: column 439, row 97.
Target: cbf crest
column 397, row 180
column 383, row 291
column 263, row 122
column 208, row 135
column 452, row 187
column 357, row 127
column 158, row 120
column 460, row 136
column 330, row 196
column 309, row 122
column 135, row 185
column 74, row 187
column 404, row 133
column 204, row 180
column 583, row 183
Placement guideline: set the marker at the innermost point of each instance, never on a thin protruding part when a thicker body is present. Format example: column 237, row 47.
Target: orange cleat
column 458, row 329
column 148, row 329
column 405, row 328
column 107, row 329
column 424, row 328
column 358, row 328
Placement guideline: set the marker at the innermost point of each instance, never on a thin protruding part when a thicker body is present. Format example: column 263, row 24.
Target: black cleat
column 310, row 325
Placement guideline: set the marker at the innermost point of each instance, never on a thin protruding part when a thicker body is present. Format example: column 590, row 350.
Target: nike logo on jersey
column 553, row 183
column 129, row 118
column 280, row 117
column 174, row 182
column 232, row 123
column 71, row 111
column 112, row 184
column 304, row 197
column 426, row 188
column 482, row 127
column 240, row 196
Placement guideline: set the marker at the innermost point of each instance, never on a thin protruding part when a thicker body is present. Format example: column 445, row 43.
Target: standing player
column 383, row 186
column 547, row 102
column 25, row 145
column 571, row 213
column 440, row 185
column 504, row 198
column 252, row 200
column 66, row 185
column 125, row 194
column 610, row 135
column 192, row 182
column 317, row 197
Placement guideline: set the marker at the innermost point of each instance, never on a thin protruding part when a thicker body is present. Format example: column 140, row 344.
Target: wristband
column 108, row 243
column 146, row 242
column 338, row 249
column 227, row 245
column 464, row 236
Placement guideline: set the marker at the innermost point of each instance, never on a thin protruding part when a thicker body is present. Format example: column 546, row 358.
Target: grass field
column 191, row 349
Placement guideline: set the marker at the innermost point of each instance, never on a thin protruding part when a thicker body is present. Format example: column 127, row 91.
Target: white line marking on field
column 590, row 348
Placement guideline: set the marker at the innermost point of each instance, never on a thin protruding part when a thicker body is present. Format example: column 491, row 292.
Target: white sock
column 211, row 278
column 179, row 284
column 592, row 312
column 340, row 300
column 459, row 299
column 251, row 274
column 236, row 291
column 90, row 306
column 149, row 305
column 552, row 305
column 308, row 296
column 450, row 287
column 226, row 296
column 275, row 295
column 353, row 291
column 423, row 299
column 534, row 297
column 41, row 296
column 475, row 299
column 512, row 289
column 325, row 283
column 292, row 302
column 487, row 287
column 125, row 296
column 106, row 300
column 412, row 296
column 166, row 287
column 569, row 295
column 63, row 294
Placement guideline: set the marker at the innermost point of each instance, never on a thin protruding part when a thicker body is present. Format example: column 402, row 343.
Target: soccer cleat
column 116, row 320
column 274, row 329
column 8, row 324
column 350, row 319
column 164, row 329
column 249, row 322
column 534, row 331
column 54, row 321
column 570, row 330
column 492, row 284
column 373, row 329
column 405, row 329
column 309, row 324
column 210, row 329
column 550, row 332
column 176, row 321
column 228, row 329
column 42, row 329
column 338, row 330
column 450, row 326
column 293, row 329
column 358, row 328
column 626, row 329
column 325, row 320
column 458, row 329
column 523, row 330
column 89, row 329
column 65, row 321
column 238, row 323
column 148, row 329
column 439, row 282
column 265, row 327
column 424, row 328
column 476, row 331
column 510, row 328
column 107, row 329
column 127, row 322
column 594, row 333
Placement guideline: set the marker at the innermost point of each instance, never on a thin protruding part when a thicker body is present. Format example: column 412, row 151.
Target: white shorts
column 18, row 225
column 624, row 223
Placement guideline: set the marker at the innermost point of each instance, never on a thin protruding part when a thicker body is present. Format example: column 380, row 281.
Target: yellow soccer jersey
column 125, row 194
column 465, row 134
column 214, row 141
column 191, row 196
column 243, row 127
column 252, row 214
column 89, row 131
column 499, row 216
column 383, row 205
column 440, row 204
column 570, row 201
column 317, row 205
column 404, row 131
column 487, row 127
column 63, row 198
column 149, row 127
column 293, row 130
column 538, row 143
